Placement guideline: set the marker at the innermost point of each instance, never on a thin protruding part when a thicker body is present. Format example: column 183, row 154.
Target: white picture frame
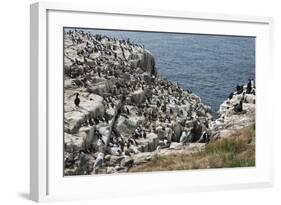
column 46, row 177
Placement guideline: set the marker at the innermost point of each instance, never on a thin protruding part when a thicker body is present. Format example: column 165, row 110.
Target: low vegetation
column 237, row 150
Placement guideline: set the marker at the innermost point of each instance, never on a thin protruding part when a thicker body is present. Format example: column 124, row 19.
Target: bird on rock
column 99, row 161
column 183, row 138
column 77, row 100
column 239, row 107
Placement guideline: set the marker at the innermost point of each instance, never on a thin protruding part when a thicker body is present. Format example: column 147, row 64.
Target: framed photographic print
column 127, row 102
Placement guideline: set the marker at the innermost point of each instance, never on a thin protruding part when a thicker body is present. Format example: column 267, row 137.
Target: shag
column 239, row 107
column 230, row 96
column 249, row 86
column 239, row 89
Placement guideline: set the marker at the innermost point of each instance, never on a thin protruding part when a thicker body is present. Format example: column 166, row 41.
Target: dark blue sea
column 211, row 66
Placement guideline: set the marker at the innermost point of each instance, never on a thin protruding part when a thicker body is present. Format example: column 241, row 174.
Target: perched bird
column 96, row 120
column 91, row 122
column 163, row 108
column 119, row 152
column 132, row 141
column 127, row 111
column 204, row 137
column 99, row 161
column 249, row 86
column 144, row 134
column 106, row 99
column 77, row 100
column 171, row 112
column 101, row 119
column 100, row 141
column 239, row 89
column 127, row 152
column 181, row 112
column 106, row 119
column 184, row 137
column 239, row 107
column 121, row 143
column 166, row 141
column 230, row 96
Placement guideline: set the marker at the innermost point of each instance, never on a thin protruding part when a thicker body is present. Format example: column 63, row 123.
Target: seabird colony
column 117, row 108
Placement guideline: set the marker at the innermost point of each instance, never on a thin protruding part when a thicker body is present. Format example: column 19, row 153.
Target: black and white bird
column 184, row 138
column 204, row 137
column 166, row 141
column 91, row 122
column 100, row 141
column 77, row 100
column 127, row 111
column 143, row 134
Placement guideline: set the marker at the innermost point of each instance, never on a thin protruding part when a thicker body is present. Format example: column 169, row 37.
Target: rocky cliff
column 119, row 113
column 230, row 119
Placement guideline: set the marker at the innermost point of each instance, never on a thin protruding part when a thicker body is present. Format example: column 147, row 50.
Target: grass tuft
column 237, row 150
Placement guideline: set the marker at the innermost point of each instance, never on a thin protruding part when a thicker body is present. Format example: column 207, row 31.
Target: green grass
column 237, row 150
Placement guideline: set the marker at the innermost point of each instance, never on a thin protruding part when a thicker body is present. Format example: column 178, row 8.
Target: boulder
column 176, row 146
column 89, row 139
column 143, row 157
column 149, row 144
column 102, row 87
column 73, row 143
column 126, row 126
column 160, row 132
column 110, row 170
column 114, row 160
column 75, row 116
column 145, row 61
column 249, row 98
